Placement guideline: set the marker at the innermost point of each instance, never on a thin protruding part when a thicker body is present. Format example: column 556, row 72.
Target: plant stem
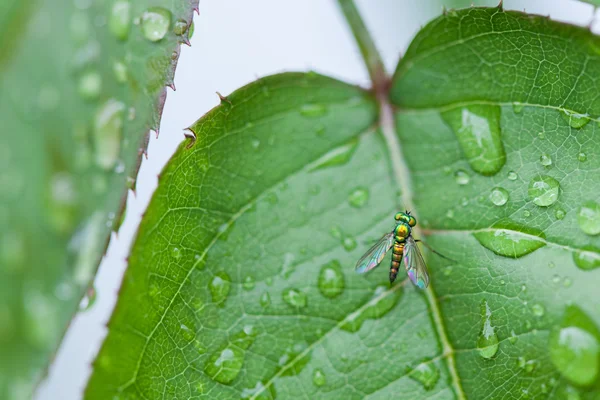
column 366, row 45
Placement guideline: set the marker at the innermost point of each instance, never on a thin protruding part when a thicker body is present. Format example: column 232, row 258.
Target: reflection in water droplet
column 543, row 190
column 487, row 343
column 359, row 197
column 477, row 128
column 336, row 157
column 545, row 160
column 119, row 20
column 510, row 240
column 426, row 373
column 155, row 23
column 588, row 218
column 294, row 298
column 219, row 287
column 313, row 110
column 225, row 364
column 331, row 280
column 319, row 378
column 383, row 301
column 575, row 120
column 499, row 196
column 462, row 177
column 512, row 176
column 587, row 260
column 575, row 347
column 108, row 127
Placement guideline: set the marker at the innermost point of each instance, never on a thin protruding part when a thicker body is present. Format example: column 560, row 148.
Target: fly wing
column 373, row 257
column 414, row 264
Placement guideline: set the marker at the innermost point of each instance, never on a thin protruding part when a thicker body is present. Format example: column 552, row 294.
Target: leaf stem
column 366, row 45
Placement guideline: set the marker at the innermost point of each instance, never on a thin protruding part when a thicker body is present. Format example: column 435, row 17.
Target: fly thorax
column 402, row 231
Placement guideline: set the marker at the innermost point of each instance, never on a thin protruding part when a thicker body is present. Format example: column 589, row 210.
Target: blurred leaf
column 241, row 282
column 78, row 99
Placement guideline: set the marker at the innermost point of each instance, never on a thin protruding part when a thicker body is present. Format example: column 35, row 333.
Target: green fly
column 404, row 249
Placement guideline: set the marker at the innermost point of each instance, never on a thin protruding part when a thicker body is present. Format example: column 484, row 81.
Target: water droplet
column 588, row 218
column 108, row 127
column 258, row 392
column 294, row 298
column 462, row 177
column 90, row 85
column 336, row 157
column 225, row 364
column 543, row 190
column 510, row 240
column 155, row 23
column 487, row 343
column 575, row 120
column 526, row 213
column 517, row 107
column 448, row 270
column 587, row 259
column 119, row 20
column 545, row 160
column 255, row 143
column 359, row 197
column 499, row 196
column 249, row 283
column 567, row 282
column 541, row 135
column 582, row 157
column 426, row 373
column 349, row 243
column 538, row 310
column 219, row 287
column 319, row 378
column 120, row 71
column 180, row 27
column 331, row 280
column 383, row 301
column 176, row 253
column 512, row 176
column 575, row 346
column 265, row 300
column 513, row 337
column 530, row 365
column 559, row 213
column 450, row 213
column 88, row 300
column 188, row 334
column 556, row 279
column 477, row 128
column 313, row 110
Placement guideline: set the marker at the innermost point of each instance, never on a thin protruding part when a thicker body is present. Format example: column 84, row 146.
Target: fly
column 404, row 248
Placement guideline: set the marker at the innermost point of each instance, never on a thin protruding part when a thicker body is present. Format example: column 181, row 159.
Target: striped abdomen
column 397, row 251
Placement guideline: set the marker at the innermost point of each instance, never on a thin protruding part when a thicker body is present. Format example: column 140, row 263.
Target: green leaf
column 241, row 282
column 78, row 99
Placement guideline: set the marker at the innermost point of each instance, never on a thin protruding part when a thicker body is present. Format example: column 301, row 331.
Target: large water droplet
column 337, row 157
column 225, row 364
column 155, row 23
column 545, row 160
column 462, row 177
column 313, row 110
column 487, row 343
column 108, row 129
column 588, row 218
column 575, row 120
column 510, row 240
column 331, row 280
column 119, row 20
column 426, row 373
column 219, row 286
column 477, row 128
column 575, row 347
column 90, row 85
column 543, row 190
column 294, row 298
column 319, row 378
column 359, row 197
column 587, row 259
column 499, row 196
column 384, row 299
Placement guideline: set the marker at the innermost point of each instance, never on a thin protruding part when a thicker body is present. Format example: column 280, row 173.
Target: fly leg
column 433, row 251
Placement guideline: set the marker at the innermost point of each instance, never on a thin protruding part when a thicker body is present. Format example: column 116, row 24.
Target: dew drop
column 331, row 281
column 87, row 302
column 108, row 129
column 513, row 337
column 512, row 176
column 180, row 27
column 517, row 107
column 359, row 197
column 543, row 190
column 545, row 160
column 567, row 282
column 538, row 310
column 510, row 240
column 176, row 253
column 559, row 214
column 187, row 333
column 120, row 71
column 90, row 85
column 462, row 177
column 588, row 218
column 556, row 279
column 448, row 270
column 487, row 343
column 313, row 110
column 219, row 288
column 249, row 283
column 499, row 196
column 336, row 157
column 265, row 300
column 587, row 259
column 225, row 364
column 526, row 213
column 426, row 373
column 349, row 243
column 119, row 21
column 541, row 135
column 575, row 120
column 155, row 23
column 477, row 129
column 319, row 378
column 383, row 301
column 294, row 298
column 575, row 346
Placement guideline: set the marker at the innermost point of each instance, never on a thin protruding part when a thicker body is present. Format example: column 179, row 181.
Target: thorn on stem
column 224, row 99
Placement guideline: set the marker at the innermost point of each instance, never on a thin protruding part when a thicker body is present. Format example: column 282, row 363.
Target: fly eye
column 398, row 216
column 412, row 221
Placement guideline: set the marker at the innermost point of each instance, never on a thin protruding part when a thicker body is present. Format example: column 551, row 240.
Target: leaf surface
column 241, row 281
column 81, row 87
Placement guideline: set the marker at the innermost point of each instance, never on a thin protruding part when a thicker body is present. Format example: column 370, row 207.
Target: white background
column 235, row 42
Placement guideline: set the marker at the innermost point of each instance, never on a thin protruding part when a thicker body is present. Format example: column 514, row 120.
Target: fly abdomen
column 397, row 251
